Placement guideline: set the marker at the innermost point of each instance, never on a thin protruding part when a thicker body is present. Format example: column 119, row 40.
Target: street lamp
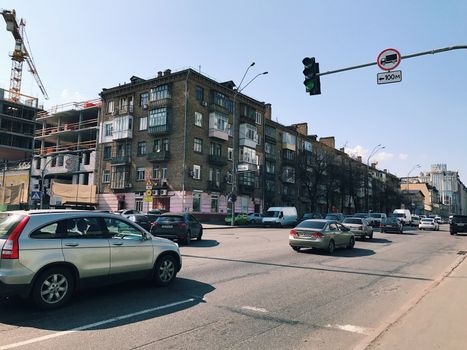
column 240, row 88
column 375, row 150
column 408, row 174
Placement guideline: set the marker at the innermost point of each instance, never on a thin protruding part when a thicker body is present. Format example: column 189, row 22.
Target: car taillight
column 182, row 225
column 381, row 225
column 10, row 249
column 317, row 235
column 293, row 233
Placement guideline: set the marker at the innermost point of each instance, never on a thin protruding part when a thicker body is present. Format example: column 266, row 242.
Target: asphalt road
column 246, row 288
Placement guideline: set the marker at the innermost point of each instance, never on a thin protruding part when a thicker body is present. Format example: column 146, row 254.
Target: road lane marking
column 92, row 325
column 350, row 328
column 252, row 308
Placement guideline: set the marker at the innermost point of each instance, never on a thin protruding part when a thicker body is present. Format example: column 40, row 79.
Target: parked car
column 428, row 224
column 339, row 217
column 47, row 255
column 415, row 220
column 321, row 234
column 140, row 219
column 377, row 219
column 365, row 216
column 280, row 216
column 182, row 227
column 308, row 216
column 392, row 224
column 359, row 227
column 127, row 212
column 404, row 215
column 457, row 224
column 255, row 218
column 239, row 219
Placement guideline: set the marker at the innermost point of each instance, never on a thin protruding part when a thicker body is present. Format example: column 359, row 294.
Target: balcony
column 270, row 138
column 120, row 160
column 217, row 108
column 270, row 156
column 163, row 102
column 270, row 176
column 288, row 178
column 216, row 186
column 161, row 156
column 122, row 134
column 217, row 160
column 288, row 161
column 247, row 167
column 246, row 188
column 159, row 130
column 120, row 185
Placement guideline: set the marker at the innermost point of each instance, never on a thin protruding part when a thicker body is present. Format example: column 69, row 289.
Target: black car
column 457, row 223
column 140, row 219
column 392, row 224
column 308, row 216
column 177, row 226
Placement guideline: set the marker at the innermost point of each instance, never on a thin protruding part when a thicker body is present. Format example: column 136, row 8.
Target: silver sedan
column 359, row 227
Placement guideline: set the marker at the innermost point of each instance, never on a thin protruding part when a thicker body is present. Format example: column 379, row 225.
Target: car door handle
column 72, row 244
column 117, row 243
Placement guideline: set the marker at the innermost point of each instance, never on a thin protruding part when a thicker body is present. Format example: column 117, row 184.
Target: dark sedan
column 140, row 219
column 182, row 227
column 392, row 224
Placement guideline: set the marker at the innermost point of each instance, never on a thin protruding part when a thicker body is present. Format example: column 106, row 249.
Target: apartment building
column 172, row 136
column 63, row 166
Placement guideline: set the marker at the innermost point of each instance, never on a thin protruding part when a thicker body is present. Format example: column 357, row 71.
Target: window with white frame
column 139, row 204
column 219, row 122
column 196, row 202
column 122, row 124
column 259, row 117
column 143, row 99
column 106, row 177
column 199, row 119
column 288, row 138
column 108, row 129
column 248, row 155
column 110, row 107
column 198, row 145
column 159, row 93
column 143, row 123
column 230, row 153
column 197, row 172
column 307, row 146
column 140, row 172
column 158, row 116
column 159, row 172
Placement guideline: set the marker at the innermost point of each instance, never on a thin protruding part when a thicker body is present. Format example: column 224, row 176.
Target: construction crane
column 21, row 53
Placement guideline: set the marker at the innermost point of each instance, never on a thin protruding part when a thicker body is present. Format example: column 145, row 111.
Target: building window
column 259, row 117
column 222, row 101
column 53, row 162
column 159, row 172
column 218, row 121
column 139, row 204
column 197, row 172
column 140, row 174
column 143, row 123
column 214, row 203
column 196, row 202
column 108, row 130
column 106, row 177
column 38, row 163
column 230, row 153
column 198, row 145
column 143, row 99
column 60, row 160
column 198, row 119
column 110, row 107
column 216, row 149
column 158, row 117
column 122, row 124
column 86, row 158
column 141, row 148
column 161, row 145
column 107, row 152
column 199, row 93
column 159, row 93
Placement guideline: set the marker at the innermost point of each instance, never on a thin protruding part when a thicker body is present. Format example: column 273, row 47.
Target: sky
column 80, row 47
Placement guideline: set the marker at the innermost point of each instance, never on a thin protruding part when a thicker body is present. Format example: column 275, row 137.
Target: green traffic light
column 310, row 85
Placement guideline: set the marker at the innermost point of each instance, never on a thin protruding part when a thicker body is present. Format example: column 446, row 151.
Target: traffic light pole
column 431, row 52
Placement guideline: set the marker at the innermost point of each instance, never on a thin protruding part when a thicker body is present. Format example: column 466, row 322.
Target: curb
column 377, row 333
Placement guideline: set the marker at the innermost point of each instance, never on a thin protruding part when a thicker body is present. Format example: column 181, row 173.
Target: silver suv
column 47, row 255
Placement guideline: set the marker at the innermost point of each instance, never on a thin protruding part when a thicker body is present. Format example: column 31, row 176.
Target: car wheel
column 187, row 238
column 297, row 249
column 200, row 234
column 331, row 247
column 370, row 236
column 165, row 270
column 351, row 243
column 53, row 288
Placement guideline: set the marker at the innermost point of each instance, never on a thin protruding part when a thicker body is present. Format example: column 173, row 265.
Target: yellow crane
column 21, row 53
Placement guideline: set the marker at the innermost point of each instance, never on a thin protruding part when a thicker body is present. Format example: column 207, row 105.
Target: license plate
column 166, row 226
column 304, row 234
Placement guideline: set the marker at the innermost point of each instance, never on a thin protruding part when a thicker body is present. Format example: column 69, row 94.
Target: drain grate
column 461, row 252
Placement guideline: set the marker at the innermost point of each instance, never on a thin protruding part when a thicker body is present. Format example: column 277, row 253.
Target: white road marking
column 92, row 325
column 350, row 328
column 252, row 308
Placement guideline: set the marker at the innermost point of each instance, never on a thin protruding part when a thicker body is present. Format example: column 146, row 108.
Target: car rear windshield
column 8, row 224
column 352, row 221
column 399, row 215
column 374, row 215
column 312, row 224
column 169, row 219
column 427, row 220
column 459, row 219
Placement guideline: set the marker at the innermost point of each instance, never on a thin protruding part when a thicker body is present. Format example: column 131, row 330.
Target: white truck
column 404, row 216
column 280, row 216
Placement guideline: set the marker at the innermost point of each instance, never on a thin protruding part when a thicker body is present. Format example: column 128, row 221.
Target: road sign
column 388, row 59
column 148, row 187
column 394, row 76
column 35, row 195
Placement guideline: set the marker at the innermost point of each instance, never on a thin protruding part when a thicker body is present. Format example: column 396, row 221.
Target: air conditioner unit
column 155, row 192
column 163, row 192
column 204, row 103
column 145, row 106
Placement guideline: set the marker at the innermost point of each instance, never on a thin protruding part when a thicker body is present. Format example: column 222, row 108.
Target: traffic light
column 312, row 83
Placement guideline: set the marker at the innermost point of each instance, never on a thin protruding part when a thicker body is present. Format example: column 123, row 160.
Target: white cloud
column 403, row 156
column 382, row 156
column 356, row 151
column 70, row 96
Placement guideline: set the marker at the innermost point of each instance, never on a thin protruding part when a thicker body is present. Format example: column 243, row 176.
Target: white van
column 280, row 216
column 404, row 215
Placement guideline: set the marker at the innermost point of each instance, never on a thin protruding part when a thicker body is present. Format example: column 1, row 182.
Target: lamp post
column 375, row 150
column 240, row 88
